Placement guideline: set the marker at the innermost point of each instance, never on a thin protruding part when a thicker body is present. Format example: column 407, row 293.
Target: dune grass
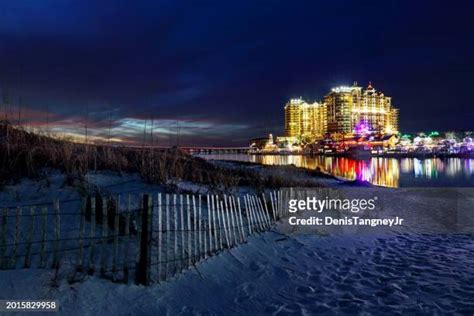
column 28, row 154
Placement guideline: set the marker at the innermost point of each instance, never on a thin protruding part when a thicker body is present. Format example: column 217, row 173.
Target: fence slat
column 160, row 236
column 248, row 214
column 242, row 234
column 175, row 236
column 264, row 212
column 116, row 238
column 259, row 213
column 194, row 230
column 238, row 223
column 141, row 272
column 188, row 212
column 201, row 246
column 255, row 214
column 214, row 230
column 225, row 216
column 273, row 207
column 80, row 256
column 150, row 236
column 255, row 220
column 228, row 230
column 220, row 220
column 280, row 203
column 209, row 221
column 228, row 222
column 259, row 208
column 183, row 233
column 105, row 235
column 138, row 247
column 92, row 237
column 167, row 203
column 127, row 241
column 231, row 210
column 267, row 212
column 226, row 225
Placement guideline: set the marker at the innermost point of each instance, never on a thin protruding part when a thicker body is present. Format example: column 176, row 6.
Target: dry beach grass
column 30, row 154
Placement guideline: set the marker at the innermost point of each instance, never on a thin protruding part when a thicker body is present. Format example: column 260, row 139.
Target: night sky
column 220, row 72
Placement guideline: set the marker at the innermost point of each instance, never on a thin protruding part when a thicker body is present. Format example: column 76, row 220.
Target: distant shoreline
column 388, row 155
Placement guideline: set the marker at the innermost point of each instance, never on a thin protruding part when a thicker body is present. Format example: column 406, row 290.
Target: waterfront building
column 305, row 121
column 352, row 110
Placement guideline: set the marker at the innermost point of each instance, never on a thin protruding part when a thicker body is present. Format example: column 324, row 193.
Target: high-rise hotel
column 346, row 111
column 305, row 120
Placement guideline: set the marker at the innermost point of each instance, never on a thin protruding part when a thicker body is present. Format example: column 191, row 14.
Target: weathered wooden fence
column 155, row 236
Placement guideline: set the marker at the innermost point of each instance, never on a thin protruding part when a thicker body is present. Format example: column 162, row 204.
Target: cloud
column 231, row 64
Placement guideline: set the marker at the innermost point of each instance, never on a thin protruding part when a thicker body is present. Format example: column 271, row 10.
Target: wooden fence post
column 142, row 266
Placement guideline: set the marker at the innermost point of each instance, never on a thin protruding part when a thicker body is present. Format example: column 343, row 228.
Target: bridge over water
column 215, row 150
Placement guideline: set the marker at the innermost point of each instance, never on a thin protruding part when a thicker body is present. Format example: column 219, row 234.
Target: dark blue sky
column 224, row 69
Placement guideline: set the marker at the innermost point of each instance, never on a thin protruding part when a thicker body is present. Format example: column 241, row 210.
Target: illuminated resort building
column 346, row 111
column 305, row 121
column 352, row 110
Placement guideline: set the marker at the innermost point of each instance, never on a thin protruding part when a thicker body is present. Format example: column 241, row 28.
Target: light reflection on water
column 389, row 172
